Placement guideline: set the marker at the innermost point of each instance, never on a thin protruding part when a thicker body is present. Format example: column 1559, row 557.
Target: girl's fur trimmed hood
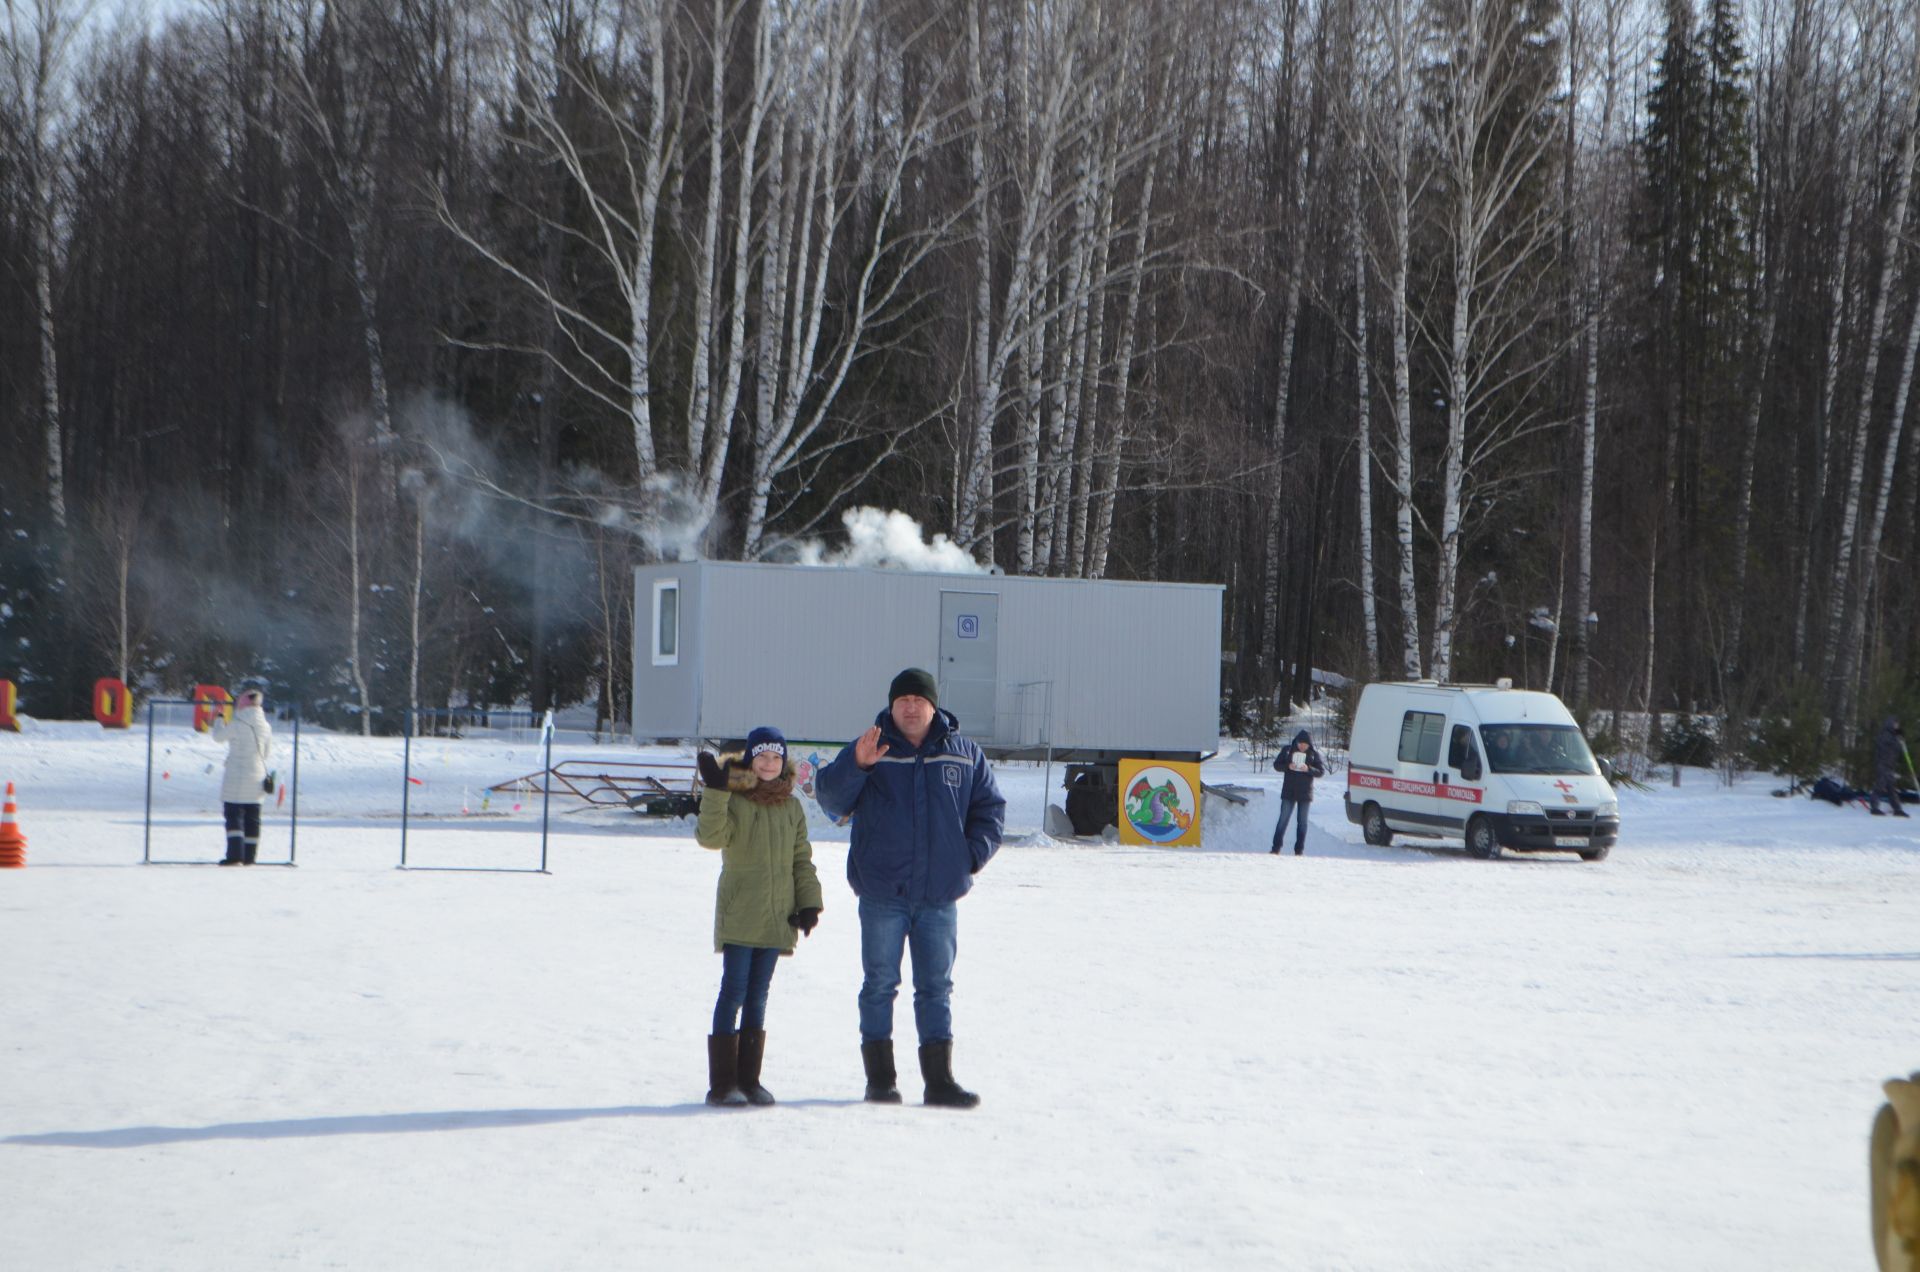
column 742, row 781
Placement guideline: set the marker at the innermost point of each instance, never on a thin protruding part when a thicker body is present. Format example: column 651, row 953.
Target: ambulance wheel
column 1482, row 841
column 1596, row 854
column 1373, row 827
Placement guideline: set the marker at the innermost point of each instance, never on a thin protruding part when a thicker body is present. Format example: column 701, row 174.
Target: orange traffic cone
column 13, row 844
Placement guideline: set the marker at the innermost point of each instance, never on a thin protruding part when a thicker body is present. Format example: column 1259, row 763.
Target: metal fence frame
column 414, row 715
column 293, row 789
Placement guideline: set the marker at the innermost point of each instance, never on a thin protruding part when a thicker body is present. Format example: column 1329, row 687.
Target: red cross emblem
column 1564, row 788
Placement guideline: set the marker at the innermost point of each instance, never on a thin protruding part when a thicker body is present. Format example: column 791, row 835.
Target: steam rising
column 676, row 526
column 878, row 538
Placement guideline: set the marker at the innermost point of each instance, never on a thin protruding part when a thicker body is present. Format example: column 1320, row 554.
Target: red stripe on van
column 1442, row 790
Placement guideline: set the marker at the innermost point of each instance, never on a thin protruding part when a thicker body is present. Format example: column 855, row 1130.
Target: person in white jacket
column 249, row 740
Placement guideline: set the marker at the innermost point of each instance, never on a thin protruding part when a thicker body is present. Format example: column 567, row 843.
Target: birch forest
column 368, row 344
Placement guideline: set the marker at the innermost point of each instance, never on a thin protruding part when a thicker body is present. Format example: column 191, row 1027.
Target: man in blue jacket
column 927, row 817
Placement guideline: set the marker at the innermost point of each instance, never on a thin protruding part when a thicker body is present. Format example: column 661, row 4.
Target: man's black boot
column 936, row 1066
column 883, row 1084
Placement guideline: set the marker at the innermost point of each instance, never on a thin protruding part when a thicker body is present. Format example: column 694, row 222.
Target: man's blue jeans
column 932, row 933
column 1289, row 807
column 745, row 974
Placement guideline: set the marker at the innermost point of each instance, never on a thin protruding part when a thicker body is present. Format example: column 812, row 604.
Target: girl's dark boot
column 753, row 1049
column 936, row 1066
column 723, row 1069
column 883, row 1084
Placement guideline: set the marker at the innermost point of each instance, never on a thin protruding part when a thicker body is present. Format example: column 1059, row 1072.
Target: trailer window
column 666, row 622
column 1420, row 737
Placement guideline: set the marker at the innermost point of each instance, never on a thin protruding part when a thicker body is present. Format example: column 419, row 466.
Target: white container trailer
column 1084, row 669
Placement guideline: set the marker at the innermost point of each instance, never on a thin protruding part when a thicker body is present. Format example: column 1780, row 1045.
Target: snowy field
column 1358, row 1059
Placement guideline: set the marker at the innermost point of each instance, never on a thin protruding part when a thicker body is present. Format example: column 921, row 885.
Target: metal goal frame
column 414, row 716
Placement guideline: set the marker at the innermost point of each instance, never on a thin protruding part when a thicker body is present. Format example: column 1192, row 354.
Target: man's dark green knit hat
column 916, row 682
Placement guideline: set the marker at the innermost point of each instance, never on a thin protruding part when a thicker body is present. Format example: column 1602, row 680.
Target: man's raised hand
column 868, row 748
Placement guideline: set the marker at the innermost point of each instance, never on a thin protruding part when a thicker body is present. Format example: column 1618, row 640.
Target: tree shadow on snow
column 378, row 1124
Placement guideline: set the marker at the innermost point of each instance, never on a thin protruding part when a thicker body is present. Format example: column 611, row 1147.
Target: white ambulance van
column 1497, row 766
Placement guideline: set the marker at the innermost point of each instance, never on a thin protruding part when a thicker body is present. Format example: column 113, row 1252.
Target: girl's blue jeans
column 745, row 974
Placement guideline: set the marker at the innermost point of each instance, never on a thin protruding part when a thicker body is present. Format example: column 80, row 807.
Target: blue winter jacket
column 925, row 819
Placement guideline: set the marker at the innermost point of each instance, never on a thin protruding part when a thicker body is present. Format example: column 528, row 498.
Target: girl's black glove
column 710, row 771
column 805, row 919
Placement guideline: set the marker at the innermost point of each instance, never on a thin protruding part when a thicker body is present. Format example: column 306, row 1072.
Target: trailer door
column 969, row 671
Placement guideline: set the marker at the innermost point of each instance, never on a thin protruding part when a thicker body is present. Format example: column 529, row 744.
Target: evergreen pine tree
column 1698, row 236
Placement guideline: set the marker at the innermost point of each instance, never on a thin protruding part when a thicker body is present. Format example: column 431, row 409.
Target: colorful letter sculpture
column 210, row 703
column 112, row 704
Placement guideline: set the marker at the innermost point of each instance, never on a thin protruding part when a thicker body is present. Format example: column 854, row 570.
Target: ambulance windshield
column 1536, row 748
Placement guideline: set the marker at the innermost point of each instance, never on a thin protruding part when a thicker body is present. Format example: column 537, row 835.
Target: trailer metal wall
column 670, row 693
column 1132, row 666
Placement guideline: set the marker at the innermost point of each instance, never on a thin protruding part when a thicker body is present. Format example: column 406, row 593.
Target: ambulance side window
column 1461, row 755
column 1420, row 737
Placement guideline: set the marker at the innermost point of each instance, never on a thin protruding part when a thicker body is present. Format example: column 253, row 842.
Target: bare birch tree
column 335, row 86
column 1597, row 51
column 37, row 50
column 998, row 334
column 1490, row 149
column 846, row 173
column 1363, row 444
column 594, row 90
column 1303, row 127
column 1892, row 241
column 1841, row 279
column 1112, row 441
column 118, row 614
column 1382, row 138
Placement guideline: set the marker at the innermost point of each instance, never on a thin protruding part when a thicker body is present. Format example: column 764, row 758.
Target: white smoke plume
column 675, row 526
column 878, row 538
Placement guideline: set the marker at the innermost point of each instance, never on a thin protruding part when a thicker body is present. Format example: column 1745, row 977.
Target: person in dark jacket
column 927, row 817
column 768, row 891
column 1889, row 749
column 1300, row 763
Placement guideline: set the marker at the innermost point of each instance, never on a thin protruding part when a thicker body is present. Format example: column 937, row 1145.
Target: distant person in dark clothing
column 1889, row 750
column 1299, row 764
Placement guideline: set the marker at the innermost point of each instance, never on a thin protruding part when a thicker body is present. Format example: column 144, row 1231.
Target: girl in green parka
column 768, row 891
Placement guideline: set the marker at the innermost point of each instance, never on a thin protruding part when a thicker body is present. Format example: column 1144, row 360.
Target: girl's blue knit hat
column 766, row 738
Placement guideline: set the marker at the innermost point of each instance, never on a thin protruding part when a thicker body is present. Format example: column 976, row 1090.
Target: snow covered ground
column 1358, row 1059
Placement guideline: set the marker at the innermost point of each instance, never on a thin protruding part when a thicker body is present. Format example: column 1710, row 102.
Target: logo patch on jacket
column 952, row 774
